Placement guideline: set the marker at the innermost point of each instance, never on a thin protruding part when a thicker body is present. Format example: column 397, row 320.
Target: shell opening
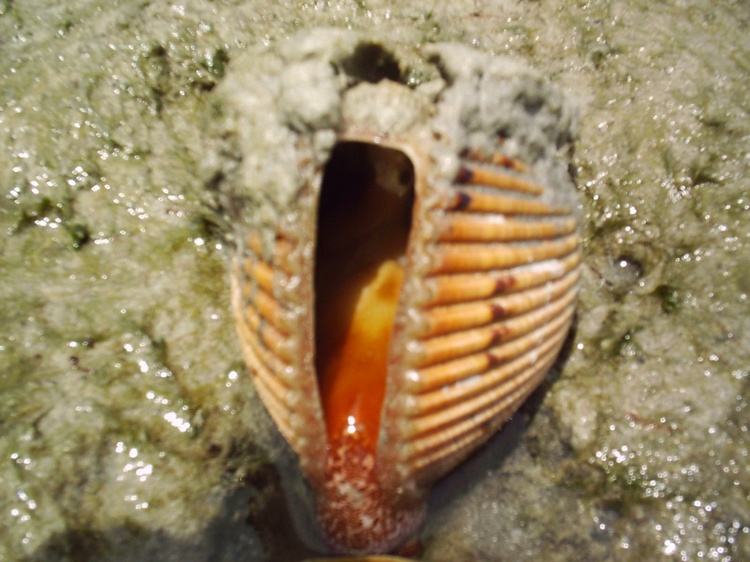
column 364, row 217
column 372, row 63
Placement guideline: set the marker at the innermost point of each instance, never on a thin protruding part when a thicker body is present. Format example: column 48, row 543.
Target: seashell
column 401, row 283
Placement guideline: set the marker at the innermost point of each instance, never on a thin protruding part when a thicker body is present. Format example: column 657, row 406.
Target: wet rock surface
column 130, row 430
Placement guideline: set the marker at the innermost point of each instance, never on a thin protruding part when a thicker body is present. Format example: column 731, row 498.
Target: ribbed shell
column 491, row 298
column 491, row 277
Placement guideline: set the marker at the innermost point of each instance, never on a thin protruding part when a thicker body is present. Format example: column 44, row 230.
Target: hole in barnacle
column 621, row 274
column 364, row 217
column 372, row 63
column 627, row 270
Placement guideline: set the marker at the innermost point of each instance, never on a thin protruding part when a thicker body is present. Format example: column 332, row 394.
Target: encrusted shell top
column 399, row 230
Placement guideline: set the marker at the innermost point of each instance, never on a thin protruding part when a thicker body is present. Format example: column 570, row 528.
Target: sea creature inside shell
column 407, row 261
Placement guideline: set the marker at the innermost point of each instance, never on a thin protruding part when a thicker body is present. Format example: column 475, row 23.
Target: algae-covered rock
column 129, row 427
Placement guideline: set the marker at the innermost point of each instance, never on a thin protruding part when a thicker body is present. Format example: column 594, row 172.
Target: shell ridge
column 455, row 317
column 495, row 412
column 441, row 348
column 432, row 413
column 441, row 374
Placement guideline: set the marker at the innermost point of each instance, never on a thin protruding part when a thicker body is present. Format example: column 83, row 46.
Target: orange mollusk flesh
column 363, row 229
column 352, row 367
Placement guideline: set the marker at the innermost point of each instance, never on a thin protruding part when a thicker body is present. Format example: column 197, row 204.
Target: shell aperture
column 363, row 227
